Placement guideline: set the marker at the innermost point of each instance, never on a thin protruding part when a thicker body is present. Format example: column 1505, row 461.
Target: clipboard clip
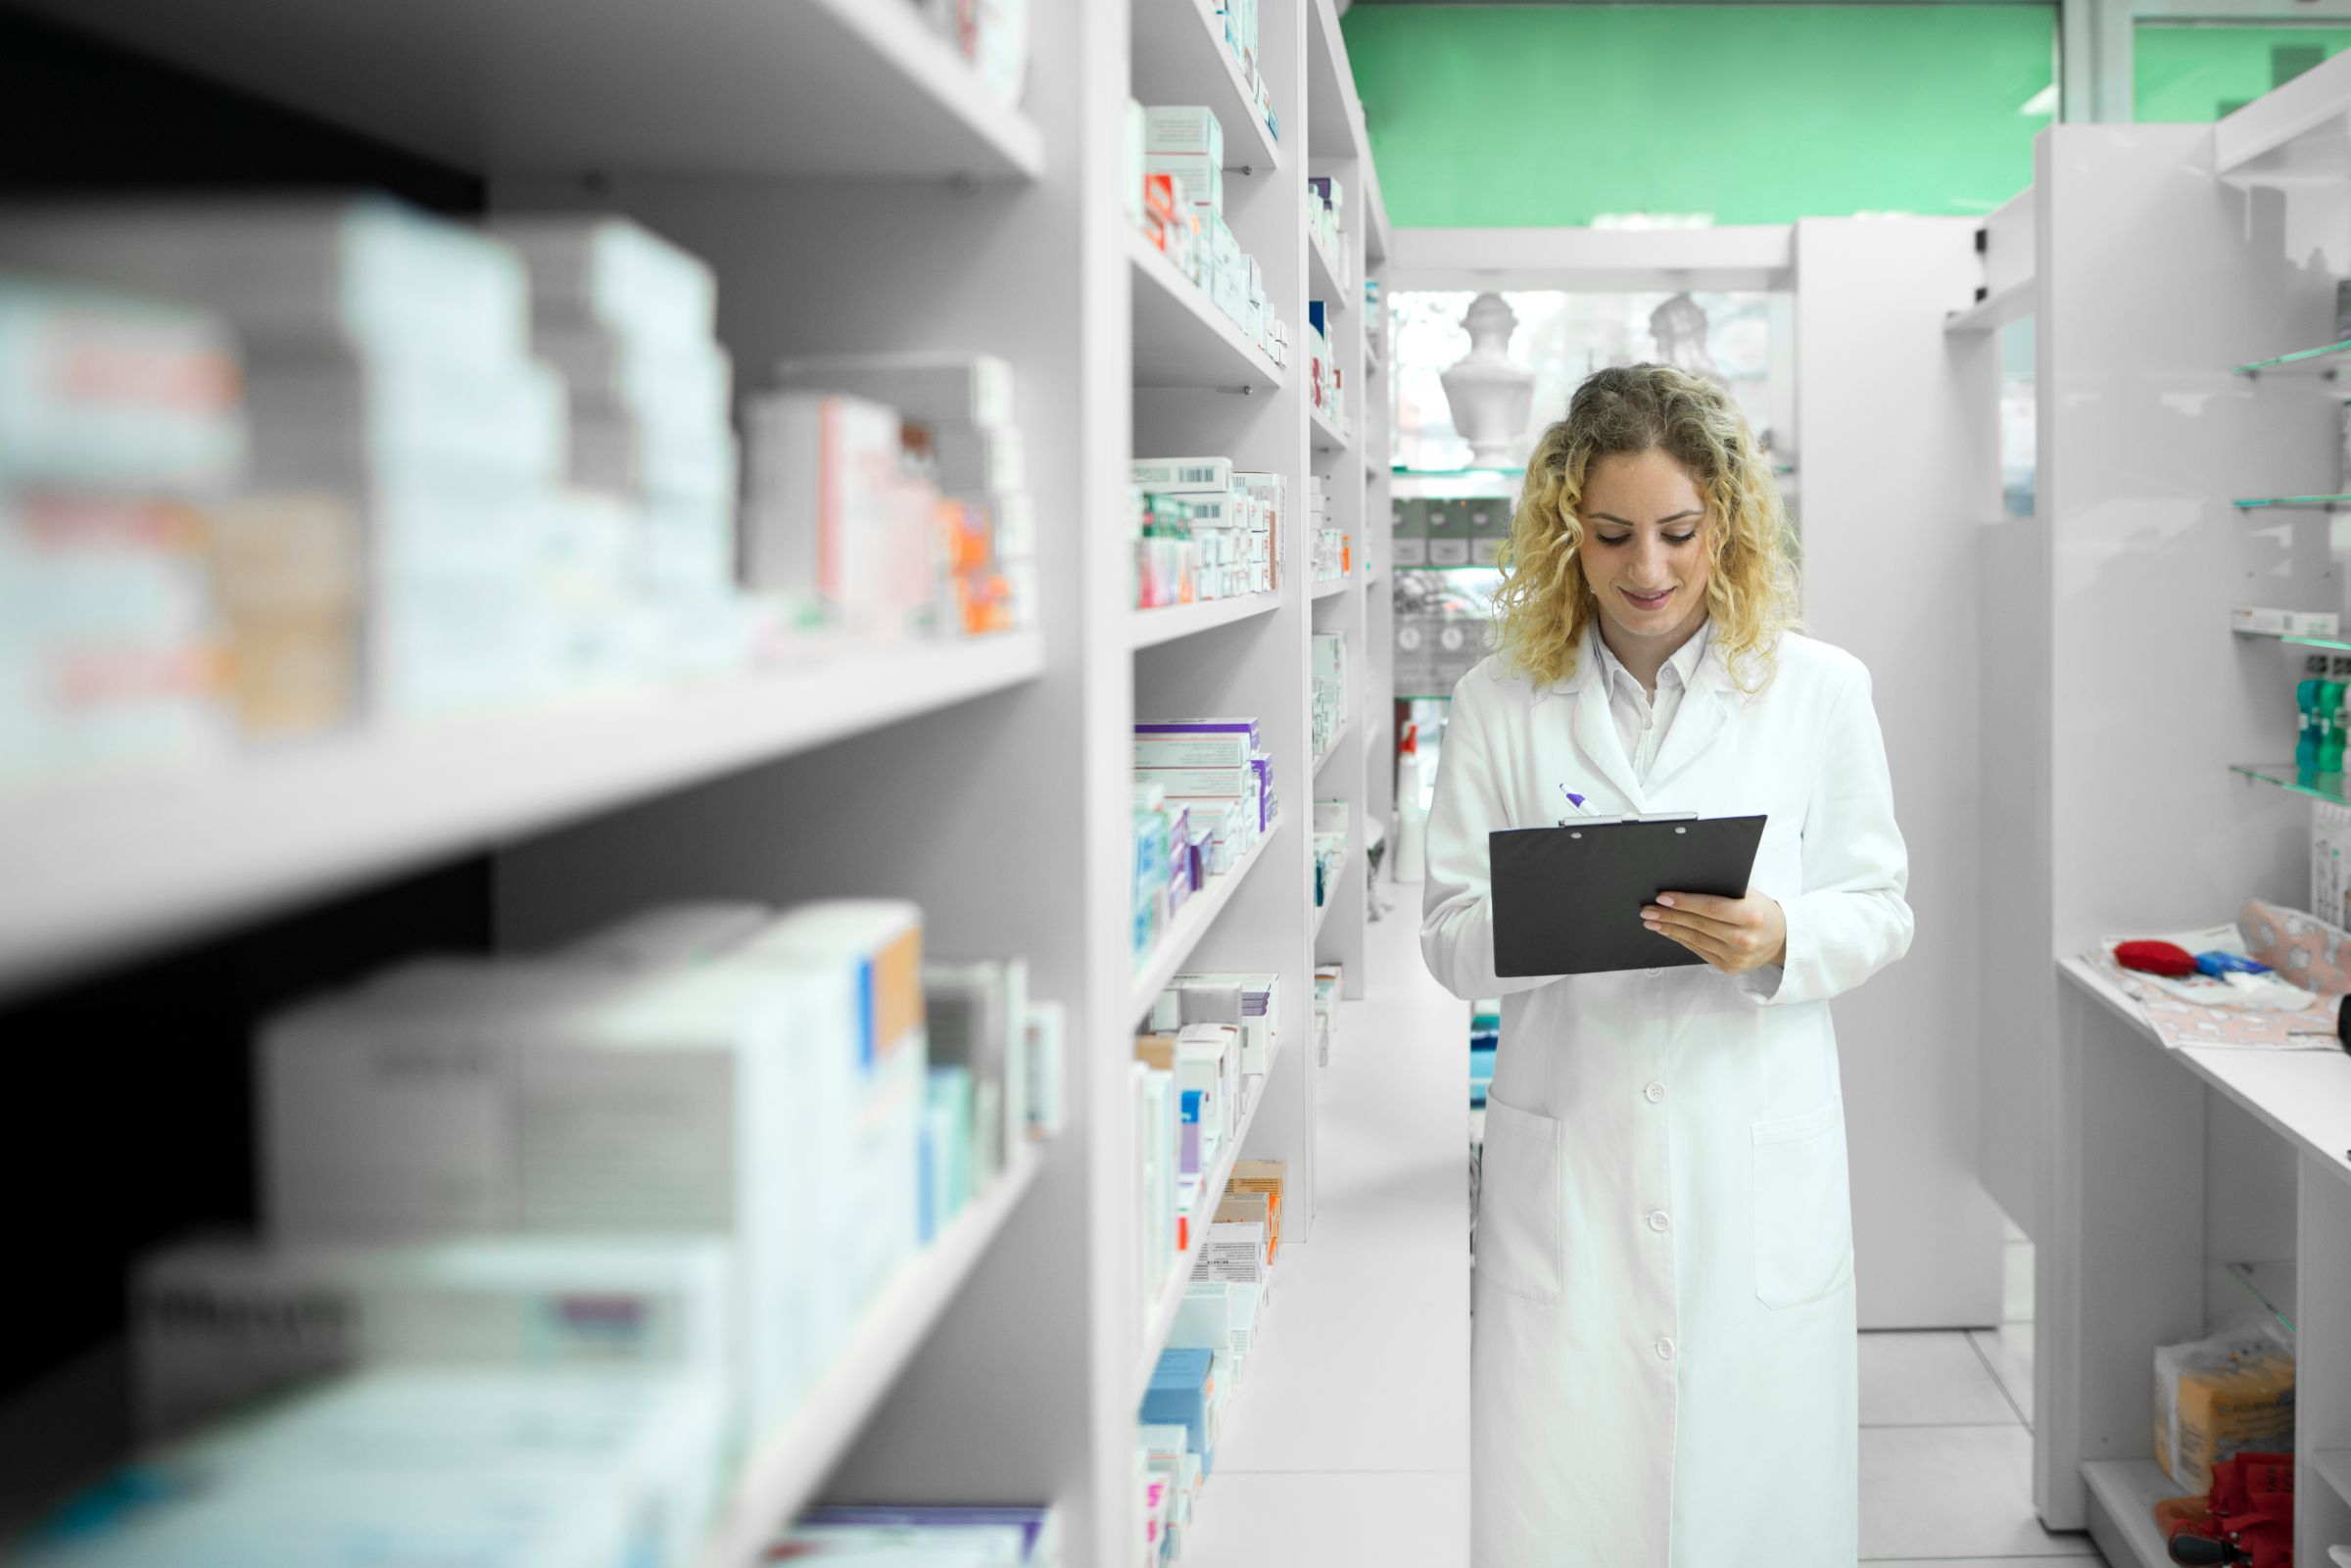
column 1602, row 821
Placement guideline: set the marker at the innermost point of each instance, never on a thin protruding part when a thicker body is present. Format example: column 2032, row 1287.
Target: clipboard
column 1567, row 900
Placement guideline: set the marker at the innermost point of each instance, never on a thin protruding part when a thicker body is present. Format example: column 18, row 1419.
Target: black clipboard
column 1567, row 900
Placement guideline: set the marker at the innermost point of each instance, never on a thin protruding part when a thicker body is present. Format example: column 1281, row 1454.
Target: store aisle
column 1349, row 1442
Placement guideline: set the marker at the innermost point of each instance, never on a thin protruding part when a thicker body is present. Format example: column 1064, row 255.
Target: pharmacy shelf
column 840, row 88
column 2291, row 503
column 1330, row 587
column 108, row 866
column 1161, row 1319
column 1338, row 739
column 2122, row 1513
column 2334, row 1468
column 2332, row 643
column 2303, row 1096
column 1147, row 628
column 1328, row 436
column 1323, row 276
column 1180, row 56
column 1181, row 339
column 1199, row 912
column 2297, row 779
column 783, row 1472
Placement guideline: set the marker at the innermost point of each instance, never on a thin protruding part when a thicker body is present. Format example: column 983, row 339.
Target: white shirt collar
column 1683, row 665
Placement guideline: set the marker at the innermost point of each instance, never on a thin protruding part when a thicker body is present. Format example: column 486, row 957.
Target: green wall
column 1530, row 116
column 2200, row 71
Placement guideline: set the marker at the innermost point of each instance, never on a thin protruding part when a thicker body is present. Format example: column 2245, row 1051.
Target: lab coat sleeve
column 1456, row 903
column 1853, row 918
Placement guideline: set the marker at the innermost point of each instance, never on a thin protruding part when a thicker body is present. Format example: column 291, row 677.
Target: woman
column 1663, row 1354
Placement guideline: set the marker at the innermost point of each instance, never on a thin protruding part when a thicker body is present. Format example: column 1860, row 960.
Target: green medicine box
column 1489, row 528
column 1447, row 532
column 1407, row 545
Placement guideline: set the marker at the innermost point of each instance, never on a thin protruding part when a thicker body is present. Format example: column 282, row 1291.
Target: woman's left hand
column 1733, row 935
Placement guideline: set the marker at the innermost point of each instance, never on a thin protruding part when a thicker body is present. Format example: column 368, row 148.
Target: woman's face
column 1644, row 545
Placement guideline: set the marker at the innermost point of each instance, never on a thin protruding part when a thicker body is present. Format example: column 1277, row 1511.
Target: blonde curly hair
column 1544, row 602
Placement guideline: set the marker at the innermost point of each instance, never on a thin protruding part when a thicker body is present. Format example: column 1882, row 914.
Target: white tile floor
column 1322, row 1466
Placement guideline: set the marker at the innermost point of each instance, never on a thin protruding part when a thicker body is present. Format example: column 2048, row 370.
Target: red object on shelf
column 2250, row 1507
column 2156, row 958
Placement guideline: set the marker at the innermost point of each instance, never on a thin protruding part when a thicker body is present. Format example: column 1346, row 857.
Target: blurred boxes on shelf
column 1446, row 524
column 1408, row 538
column 1489, row 527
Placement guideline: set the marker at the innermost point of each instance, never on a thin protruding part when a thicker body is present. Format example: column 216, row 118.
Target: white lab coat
column 1663, row 1361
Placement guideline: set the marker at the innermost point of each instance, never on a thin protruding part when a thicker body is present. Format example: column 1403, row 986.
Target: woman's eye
column 1681, row 539
column 1611, row 539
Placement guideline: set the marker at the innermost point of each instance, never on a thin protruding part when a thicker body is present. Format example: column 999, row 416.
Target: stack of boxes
column 629, row 322
column 1207, row 1353
column 1326, row 202
column 1328, row 714
column 1332, row 555
column 992, row 34
column 1239, row 27
column 1175, row 159
column 1330, row 847
column 690, row 1150
column 116, row 413
column 390, row 387
column 1330, row 982
column 1327, row 384
column 1203, row 796
column 1204, row 529
column 888, row 497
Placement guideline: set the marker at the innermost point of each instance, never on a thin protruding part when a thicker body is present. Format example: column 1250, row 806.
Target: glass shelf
column 2331, row 643
column 2308, row 503
column 2272, row 1286
column 2324, row 362
column 2302, row 782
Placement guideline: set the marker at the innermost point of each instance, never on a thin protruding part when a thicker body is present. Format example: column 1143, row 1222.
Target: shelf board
column 1328, row 436
column 1181, row 339
column 2324, row 364
column 112, row 865
column 2306, row 503
column 1168, row 622
column 1179, row 56
column 838, row 88
column 2123, row 1494
column 1330, row 586
column 2272, row 1286
column 2334, row 1468
column 2333, row 645
column 1335, row 115
column 783, row 1473
column 1199, row 912
column 2289, row 776
column 1161, row 1319
column 1323, row 275
column 1994, row 310
column 1338, row 739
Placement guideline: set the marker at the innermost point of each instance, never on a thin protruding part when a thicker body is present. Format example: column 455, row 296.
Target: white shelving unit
column 2162, row 1168
column 856, row 187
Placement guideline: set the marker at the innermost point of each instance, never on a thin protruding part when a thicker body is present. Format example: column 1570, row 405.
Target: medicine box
column 1407, row 524
column 1489, row 528
column 1448, row 529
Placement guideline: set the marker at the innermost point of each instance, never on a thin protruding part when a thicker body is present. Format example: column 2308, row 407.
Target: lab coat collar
column 1708, row 703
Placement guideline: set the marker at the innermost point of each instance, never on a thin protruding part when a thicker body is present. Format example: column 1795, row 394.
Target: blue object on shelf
column 2217, row 963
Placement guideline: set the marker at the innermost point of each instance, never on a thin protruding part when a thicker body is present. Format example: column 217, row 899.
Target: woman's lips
column 1649, row 602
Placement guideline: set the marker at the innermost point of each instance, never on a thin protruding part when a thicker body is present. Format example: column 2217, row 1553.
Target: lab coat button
column 1654, row 1092
column 1657, row 1219
column 1665, row 1349
column 1653, row 973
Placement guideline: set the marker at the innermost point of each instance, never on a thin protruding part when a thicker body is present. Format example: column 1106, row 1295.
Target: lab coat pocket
column 1521, row 1227
column 1803, row 1224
